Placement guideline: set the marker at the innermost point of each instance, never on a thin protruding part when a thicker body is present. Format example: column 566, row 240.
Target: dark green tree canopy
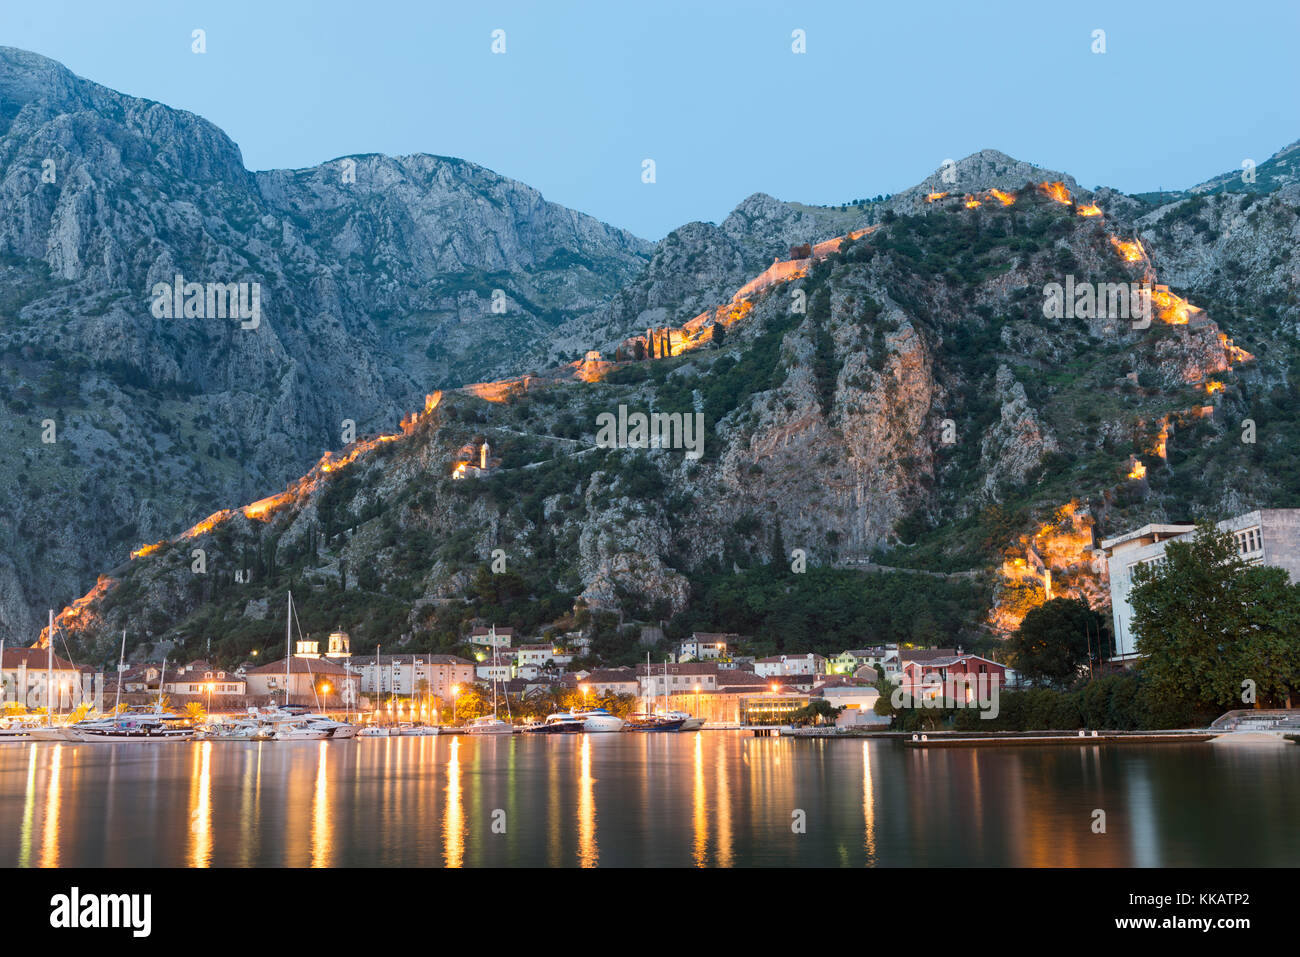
column 1057, row 640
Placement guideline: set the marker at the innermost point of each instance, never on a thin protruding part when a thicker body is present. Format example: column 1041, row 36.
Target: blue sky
column 708, row 89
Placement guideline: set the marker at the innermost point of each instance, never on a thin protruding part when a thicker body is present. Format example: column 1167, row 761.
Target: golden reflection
column 453, row 824
column 587, row 852
column 701, row 823
column 50, row 837
column 320, row 820
column 201, row 807
column 552, row 811
column 29, row 812
column 724, row 803
column 868, row 806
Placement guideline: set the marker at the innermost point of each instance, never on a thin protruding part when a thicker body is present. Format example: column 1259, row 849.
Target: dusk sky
column 711, row 91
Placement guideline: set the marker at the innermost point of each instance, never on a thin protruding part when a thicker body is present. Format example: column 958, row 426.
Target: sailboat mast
column 288, row 627
column 49, row 670
column 117, row 701
column 162, row 680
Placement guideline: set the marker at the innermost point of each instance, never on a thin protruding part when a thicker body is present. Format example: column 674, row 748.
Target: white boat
column 598, row 720
column 415, row 730
column 18, row 729
column 153, row 727
column 301, row 731
column 489, row 725
column 49, row 732
column 689, row 721
column 336, row 729
column 373, row 731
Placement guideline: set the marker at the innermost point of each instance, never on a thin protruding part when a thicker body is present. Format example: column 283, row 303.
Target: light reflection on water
column 704, row 800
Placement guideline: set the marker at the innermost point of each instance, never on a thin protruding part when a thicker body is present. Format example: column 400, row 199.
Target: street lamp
column 325, row 692
column 208, row 686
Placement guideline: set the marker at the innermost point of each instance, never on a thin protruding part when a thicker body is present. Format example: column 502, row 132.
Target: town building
column 1263, row 537
column 313, row 682
column 201, row 678
column 856, row 697
column 496, row 668
column 492, row 637
column 660, row 681
column 705, row 646
column 895, row 664
column 536, row 658
column 973, row 676
column 848, row 662
column 37, row 678
column 415, row 674
column 604, row 681
column 782, row 665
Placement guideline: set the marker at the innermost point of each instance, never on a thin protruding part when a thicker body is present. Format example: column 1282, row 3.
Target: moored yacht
column 152, row 727
column 562, row 722
column 688, row 721
column 489, row 725
column 598, row 720
column 640, row 721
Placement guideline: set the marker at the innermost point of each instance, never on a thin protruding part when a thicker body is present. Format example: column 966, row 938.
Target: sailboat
column 493, row 724
column 153, row 726
column 304, row 727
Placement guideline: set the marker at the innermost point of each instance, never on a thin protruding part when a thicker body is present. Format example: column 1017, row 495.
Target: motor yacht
column 597, row 720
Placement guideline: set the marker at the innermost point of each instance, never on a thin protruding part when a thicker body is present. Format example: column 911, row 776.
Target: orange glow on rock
column 1090, row 209
column 1006, row 199
column 1172, row 309
column 1130, row 252
column 931, row 197
column 1057, row 191
column 78, row 614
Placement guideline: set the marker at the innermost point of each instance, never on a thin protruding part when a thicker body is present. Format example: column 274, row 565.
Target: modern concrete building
column 1264, row 537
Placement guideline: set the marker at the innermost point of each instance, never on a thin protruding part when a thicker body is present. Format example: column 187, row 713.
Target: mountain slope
column 922, row 411
column 376, row 279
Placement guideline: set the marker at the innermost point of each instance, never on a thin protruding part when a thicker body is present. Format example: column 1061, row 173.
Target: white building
column 492, row 637
column 407, row 675
column 660, row 681
column 704, row 646
column 1264, row 537
column 539, row 657
column 778, row 665
column 499, row 668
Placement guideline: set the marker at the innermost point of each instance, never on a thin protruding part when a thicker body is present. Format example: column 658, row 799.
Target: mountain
column 376, row 275
column 885, row 395
column 920, row 412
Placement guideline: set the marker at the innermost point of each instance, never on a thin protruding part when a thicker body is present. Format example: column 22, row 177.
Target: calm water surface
column 713, row 798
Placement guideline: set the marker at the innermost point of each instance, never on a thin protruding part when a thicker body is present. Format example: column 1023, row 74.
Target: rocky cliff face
column 379, row 277
column 906, row 399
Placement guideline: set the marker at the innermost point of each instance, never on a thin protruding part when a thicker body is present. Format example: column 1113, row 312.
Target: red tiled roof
column 37, row 659
column 315, row 666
